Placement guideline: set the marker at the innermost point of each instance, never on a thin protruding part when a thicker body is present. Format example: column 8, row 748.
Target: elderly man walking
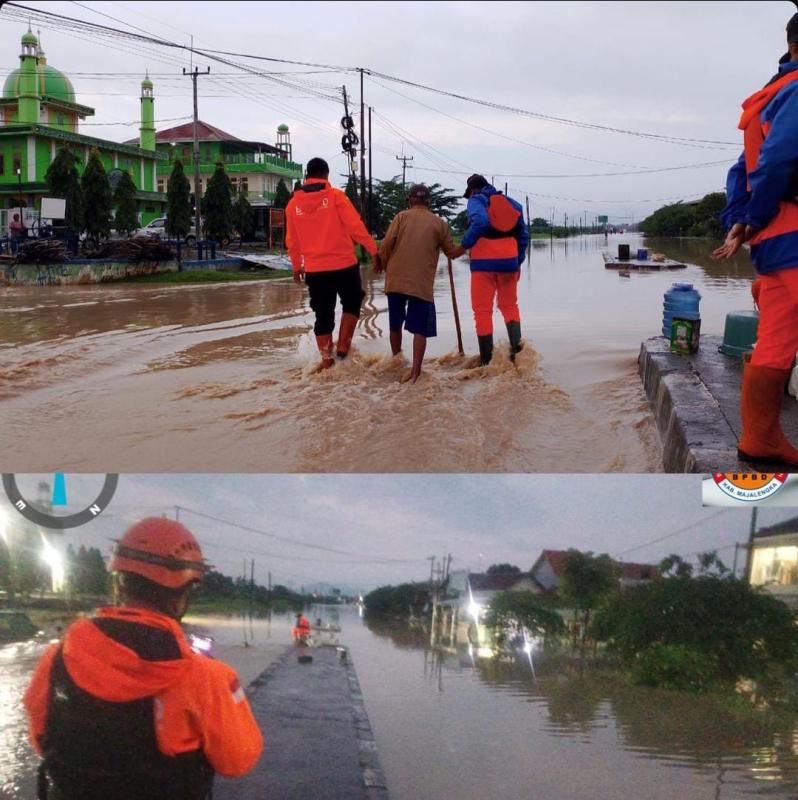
column 409, row 255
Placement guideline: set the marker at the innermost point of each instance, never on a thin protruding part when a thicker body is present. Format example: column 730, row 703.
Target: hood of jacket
column 313, row 194
column 126, row 654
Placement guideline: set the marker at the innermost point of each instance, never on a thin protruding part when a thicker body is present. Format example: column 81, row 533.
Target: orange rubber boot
column 325, row 345
column 762, row 394
column 345, row 333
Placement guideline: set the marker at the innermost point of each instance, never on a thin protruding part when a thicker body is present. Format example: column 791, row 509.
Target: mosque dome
column 52, row 82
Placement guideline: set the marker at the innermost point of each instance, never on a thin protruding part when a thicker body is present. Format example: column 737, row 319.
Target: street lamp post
column 19, row 180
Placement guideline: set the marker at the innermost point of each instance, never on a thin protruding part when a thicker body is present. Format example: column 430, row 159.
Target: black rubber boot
column 514, row 333
column 485, row 348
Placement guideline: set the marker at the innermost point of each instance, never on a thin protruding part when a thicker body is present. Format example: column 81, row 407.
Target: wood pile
column 143, row 248
column 42, row 251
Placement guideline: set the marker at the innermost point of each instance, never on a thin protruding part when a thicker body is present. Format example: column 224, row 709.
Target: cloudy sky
column 672, row 69
column 383, row 528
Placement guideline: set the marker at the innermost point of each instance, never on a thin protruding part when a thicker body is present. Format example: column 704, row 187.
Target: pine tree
column 178, row 202
column 97, row 198
column 243, row 217
column 217, row 206
column 127, row 219
column 63, row 181
column 281, row 195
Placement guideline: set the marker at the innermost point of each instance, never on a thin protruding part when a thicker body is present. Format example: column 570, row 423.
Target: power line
column 293, row 540
column 686, row 528
column 683, row 140
column 30, row 13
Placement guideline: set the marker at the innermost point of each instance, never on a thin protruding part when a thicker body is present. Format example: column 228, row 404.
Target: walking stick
column 456, row 312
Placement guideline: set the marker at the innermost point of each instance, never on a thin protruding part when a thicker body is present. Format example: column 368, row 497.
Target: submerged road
column 317, row 738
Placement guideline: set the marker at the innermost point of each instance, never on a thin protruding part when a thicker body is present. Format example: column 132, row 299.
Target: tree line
column 701, row 218
column 675, row 631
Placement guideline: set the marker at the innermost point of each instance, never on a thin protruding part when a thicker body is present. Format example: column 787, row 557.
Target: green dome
column 282, row 128
column 52, row 82
column 29, row 38
column 146, row 83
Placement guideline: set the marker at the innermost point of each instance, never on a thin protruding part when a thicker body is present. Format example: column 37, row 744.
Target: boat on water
column 612, row 261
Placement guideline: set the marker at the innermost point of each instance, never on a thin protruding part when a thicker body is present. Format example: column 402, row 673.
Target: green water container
column 739, row 335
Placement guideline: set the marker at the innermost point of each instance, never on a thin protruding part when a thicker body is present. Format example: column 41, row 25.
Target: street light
column 19, row 180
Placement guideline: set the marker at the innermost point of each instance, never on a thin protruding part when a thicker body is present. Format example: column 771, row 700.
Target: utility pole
column 177, row 513
column 197, row 194
column 370, row 204
column 363, row 148
column 404, row 159
column 431, row 560
column 749, row 553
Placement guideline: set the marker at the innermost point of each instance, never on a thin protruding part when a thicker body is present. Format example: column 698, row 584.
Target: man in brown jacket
column 409, row 255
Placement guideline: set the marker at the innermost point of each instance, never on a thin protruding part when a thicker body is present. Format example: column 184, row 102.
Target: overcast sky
column 387, row 526
column 670, row 68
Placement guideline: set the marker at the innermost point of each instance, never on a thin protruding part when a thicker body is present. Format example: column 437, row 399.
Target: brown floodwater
column 220, row 377
column 452, row 726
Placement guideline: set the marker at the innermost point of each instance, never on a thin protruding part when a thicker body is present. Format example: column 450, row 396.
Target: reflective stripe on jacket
column 489, row 252
column 322, row 227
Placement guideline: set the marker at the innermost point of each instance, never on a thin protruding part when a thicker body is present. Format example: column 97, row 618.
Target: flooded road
column 453, row 727
column 220, row 377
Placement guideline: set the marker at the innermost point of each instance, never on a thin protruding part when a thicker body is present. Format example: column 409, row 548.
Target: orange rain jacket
column 199, row 702
column 322, row 227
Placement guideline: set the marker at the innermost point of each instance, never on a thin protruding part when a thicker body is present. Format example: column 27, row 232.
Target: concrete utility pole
column 197, row 193
column 363, row 149
column 370, row 204
column 749, row 553
column 404, row 159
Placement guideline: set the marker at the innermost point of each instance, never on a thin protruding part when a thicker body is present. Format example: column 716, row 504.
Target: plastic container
column 680, row 300
column 739, row 333
column 623, row 252
column 642, row 254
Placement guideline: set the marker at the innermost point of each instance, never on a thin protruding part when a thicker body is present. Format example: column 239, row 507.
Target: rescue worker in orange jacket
column 302, row 627
column 322, row 227
column 497, row 239
column 762, row 209
column 123, row 709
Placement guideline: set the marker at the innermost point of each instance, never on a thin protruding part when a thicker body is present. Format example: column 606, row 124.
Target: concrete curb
column 696, row 432
column 373, row 776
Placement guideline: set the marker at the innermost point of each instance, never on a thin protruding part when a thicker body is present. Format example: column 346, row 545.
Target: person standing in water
column 322, row 227
column 409, row 256
column 497, row 239
column 761, row 209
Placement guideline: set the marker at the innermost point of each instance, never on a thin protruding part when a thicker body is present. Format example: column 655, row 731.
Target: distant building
column 774, row 564
column 549, row 568
column 39, row 114
column 253, row 167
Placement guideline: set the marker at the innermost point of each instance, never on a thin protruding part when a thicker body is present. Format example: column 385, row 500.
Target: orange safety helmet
column 161, row 550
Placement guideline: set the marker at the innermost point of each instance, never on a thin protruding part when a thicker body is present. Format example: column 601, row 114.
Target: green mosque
column 39, row 114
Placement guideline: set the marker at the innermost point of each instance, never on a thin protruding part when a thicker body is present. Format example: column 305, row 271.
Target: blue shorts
column 417, row 315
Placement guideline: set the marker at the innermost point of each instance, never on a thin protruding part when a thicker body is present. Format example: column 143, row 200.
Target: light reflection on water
column 476, row 729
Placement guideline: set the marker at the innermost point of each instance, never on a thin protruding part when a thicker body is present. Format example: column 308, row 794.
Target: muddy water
column 220, row 378
column 453, row 727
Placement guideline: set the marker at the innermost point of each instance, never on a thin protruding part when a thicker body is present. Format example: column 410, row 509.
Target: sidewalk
column 317, row 738
column 695, row 400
